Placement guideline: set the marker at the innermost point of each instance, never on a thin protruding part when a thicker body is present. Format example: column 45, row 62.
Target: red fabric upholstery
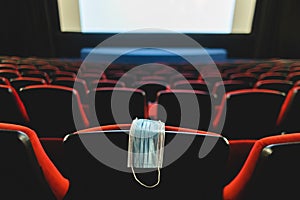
column 224, row 100
column 55, row 150
column 20, row 104
column 234, row 190
column 249, row 114
column 8, row 67
column 238, row 153
column 4, row 81
column 18, row 101
column 58, row 184
column 286, row 104
column 28, row 95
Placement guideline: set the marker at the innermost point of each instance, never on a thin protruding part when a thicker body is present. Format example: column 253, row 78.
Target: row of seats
column 249, row 113
column 269, row 75
column 56, row 163
column 260, row 70
column 269, row 170
column 151, row 88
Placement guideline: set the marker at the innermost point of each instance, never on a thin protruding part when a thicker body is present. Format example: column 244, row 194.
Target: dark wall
column 24, row 29
column 31, row 28
column 288, row 31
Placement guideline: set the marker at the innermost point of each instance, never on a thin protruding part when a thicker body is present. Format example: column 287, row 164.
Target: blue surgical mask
column 146, row 142
column 145, row 146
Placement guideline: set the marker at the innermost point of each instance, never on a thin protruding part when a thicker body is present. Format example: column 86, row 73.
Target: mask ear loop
column 159, row 146
column 147, row 186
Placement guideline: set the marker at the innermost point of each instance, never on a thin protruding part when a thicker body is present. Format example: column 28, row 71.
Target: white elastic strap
column 147, row 186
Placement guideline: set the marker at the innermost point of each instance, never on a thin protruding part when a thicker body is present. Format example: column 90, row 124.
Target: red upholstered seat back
column 12, row 109
column 57, row 182
column 178, row 177
column 240, row 187
column 51, row 109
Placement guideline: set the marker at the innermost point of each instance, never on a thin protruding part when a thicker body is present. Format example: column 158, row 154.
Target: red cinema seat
column 37, row 74
column 246, row 77
column 269, row 172
column 20, row 82
column 9, row 74
column 200, row 85
column 249, row 114
column 189, row 174
column 54, row 111
column 272, row 76
column 79, row 84
column 185, row 108
column 279, row 85
column 26, row 170
column 114, row 105
column 4, row 81
column 107, row 83
column 151, row 88
column 288, row 118
column 12, row 109
column 294, row 77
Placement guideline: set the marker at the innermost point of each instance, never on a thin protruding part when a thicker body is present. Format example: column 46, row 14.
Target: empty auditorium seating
column 294, row 68
column 4, row 81
column 238, row 153
column 227, row 86
column 289, row 113
column 71, row 69
column 185, row 108
column 294, row 77
column 26, row 68
column 49, row 69
column 63, row 74
column 37, row 74
column 53, row 109
column 283, row 70
column 297, row 83
column 80, row 86
column 9, row 74
column 154, row 78
column 189, row 174
column 212, row 79
column 259, row 108
column 257, row 70
column 26, row 171
column 249, row 113
column 271, row 170
column 12, row 109
column 120, row 105
column 279, row 85
column 127, row 78
column 20, row 82
column 151, row 88
column 246, row 77
column 90, row 77
column 230, row 71
column 112, row 73
column 107, row 83
column 191, row 84
column 8, row 67
column 272, row 76
column 183, row 76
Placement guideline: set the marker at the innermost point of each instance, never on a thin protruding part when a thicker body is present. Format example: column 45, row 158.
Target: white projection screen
column 184, row 16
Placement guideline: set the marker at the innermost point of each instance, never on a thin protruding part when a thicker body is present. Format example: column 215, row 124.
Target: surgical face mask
column 145, row 146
